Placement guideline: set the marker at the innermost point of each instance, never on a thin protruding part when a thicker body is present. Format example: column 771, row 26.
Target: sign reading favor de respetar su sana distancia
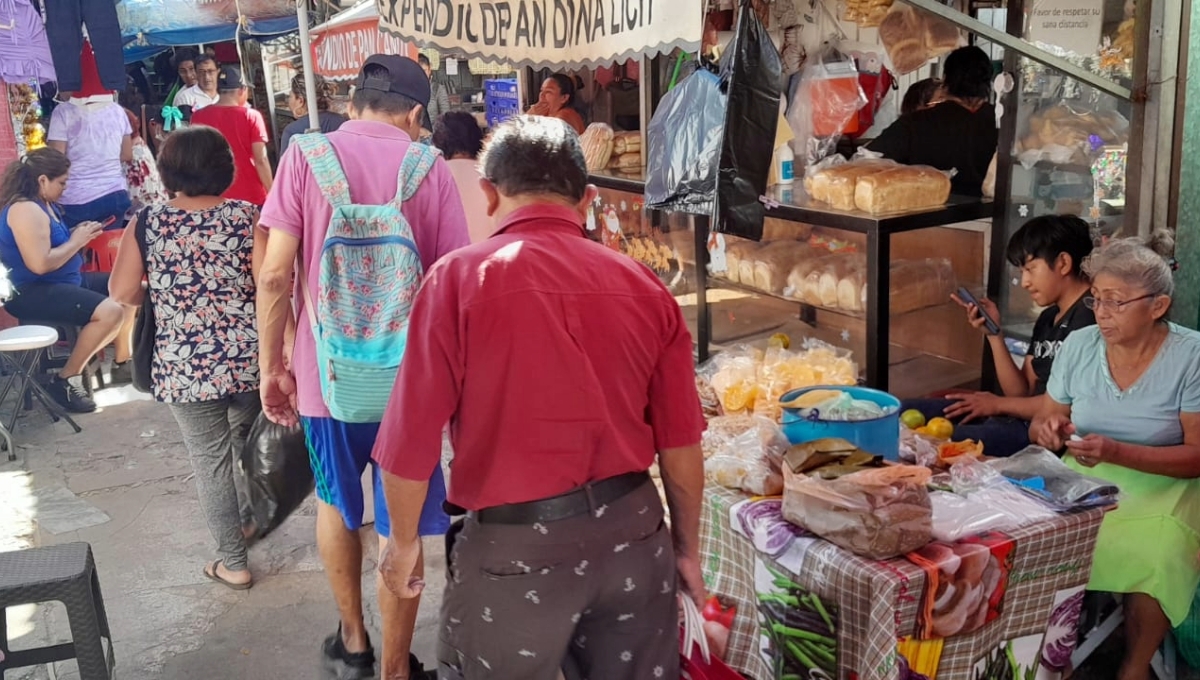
column 545, row 32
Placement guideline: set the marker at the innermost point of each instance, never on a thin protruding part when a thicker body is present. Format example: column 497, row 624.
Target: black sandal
column 211, row 573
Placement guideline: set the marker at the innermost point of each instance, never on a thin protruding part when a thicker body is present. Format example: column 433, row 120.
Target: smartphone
column 988, row 322
column 110, row 220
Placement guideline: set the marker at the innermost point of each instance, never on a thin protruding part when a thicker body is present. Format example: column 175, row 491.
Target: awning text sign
column 339, row 52
column 545, row 32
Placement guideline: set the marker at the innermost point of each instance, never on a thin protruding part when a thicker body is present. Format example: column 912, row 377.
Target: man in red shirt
column 246, row 132
column 564, row 369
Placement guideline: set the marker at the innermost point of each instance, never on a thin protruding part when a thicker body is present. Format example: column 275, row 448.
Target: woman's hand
column 973, row 405
column 539, row 109
column 84, row 233
column 1051, row 431
column 1093, row 449
column 975, row 312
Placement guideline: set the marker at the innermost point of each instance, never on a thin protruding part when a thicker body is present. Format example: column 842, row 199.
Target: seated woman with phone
column 1050, row 251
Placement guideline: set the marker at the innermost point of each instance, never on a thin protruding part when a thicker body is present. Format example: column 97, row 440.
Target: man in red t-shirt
column 246, row 132
column 565, row 371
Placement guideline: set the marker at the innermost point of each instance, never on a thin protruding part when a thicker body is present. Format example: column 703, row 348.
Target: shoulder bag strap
column 325, row 166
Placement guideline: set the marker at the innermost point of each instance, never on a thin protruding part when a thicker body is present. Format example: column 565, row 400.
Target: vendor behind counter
column 957, row 131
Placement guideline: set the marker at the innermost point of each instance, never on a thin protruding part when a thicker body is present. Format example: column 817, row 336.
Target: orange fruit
column 940, row 428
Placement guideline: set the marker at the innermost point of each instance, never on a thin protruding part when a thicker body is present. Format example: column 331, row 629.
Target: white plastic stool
column 21, row 351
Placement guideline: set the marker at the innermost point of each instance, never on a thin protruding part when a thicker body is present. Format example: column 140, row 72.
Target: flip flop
column 210, row 572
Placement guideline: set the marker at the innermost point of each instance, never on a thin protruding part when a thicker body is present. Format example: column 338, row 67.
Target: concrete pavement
column 168, row 621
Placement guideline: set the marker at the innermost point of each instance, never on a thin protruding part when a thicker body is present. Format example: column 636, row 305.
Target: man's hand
column 973, row 405
column 1093, row 449
column 278, row 393
column 691, row 580
column 975, row 312
column 1051, row 431
column 399, row 566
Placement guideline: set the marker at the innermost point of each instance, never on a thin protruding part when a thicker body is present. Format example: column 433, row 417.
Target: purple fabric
column 24, row 50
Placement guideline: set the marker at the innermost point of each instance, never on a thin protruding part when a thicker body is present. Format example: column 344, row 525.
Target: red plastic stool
column 101, row 254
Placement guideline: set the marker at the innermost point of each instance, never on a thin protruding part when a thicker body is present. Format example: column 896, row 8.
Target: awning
column 157, row 23
column 546, row 33
column 342, row 44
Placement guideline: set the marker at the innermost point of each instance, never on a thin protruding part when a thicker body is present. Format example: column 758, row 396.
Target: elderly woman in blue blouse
column 1124, row 400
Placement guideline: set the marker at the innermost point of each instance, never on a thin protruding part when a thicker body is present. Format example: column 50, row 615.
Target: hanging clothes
column 64, row 22
column 24, row 50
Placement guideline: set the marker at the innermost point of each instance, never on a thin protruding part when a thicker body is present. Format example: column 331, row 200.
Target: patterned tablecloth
column 879, row 601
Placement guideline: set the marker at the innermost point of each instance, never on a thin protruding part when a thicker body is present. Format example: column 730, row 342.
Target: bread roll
column 836, row 268
column 902, row 189
column 772, row 269
column 629, row 160
column 941, row 36
column 836, row 185
column 798, row 277
column 735, row 251
column 852, row 286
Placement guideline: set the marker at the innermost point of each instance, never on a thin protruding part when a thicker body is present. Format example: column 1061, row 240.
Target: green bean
column 790, row 600
column 799, row 654
column 785, row 631
column 816, row 651
column 824, row 614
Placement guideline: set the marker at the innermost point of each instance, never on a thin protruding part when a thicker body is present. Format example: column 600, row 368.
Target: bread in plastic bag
column 879, row 514
column 751, row 460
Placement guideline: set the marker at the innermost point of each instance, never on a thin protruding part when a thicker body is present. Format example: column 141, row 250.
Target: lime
column 912, row 419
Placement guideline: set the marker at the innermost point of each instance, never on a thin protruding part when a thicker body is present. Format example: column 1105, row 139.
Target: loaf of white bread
column 836, row 185
column 912, row 37
column 902, row 189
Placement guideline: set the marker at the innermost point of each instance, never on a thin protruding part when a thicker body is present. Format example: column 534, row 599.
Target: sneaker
column 345, row 665
column 121, row 374
column 70, row 395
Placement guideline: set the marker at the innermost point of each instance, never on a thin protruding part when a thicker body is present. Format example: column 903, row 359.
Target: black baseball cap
column 405, row 77
column 230, row 78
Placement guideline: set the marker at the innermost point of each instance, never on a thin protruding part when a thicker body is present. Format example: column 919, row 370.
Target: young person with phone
column 1050, row 251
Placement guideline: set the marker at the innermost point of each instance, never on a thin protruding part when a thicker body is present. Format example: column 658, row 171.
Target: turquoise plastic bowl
column 880, row 436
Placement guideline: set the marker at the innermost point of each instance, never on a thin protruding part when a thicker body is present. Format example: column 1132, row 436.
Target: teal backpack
column 369, row 274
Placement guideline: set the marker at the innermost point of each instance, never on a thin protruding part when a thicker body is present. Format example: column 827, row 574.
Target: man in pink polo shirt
column 386, row 113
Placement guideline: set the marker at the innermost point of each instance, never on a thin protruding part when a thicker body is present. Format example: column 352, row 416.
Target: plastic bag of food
column 751, row 461
column 722, row 430
column 826, row 98
column 879, row 513
column 735, row 378
column 275, row 472
column 1042, row 474
column 917, row 449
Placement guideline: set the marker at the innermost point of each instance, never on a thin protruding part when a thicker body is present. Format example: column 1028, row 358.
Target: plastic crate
column 501, row 100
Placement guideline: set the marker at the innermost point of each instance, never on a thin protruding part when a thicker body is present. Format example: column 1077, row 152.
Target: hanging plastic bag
column 753, row 71
column 275, row 473
column 684, row 141
column 824, row 99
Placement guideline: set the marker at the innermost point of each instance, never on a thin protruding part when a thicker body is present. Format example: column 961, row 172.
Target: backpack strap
column 418, row 161
column 326, row 168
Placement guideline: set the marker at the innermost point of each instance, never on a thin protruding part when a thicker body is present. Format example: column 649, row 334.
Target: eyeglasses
column 1113, row 305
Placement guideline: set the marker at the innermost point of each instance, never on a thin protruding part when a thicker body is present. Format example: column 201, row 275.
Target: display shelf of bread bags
column 877, row 285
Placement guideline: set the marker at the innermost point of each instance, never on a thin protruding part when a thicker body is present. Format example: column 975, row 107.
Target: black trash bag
column 683, row 145
column 275, row 474
column 753, row 71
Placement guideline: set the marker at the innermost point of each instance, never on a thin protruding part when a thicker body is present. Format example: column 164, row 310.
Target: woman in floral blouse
column 201, row 254
column 145, row 184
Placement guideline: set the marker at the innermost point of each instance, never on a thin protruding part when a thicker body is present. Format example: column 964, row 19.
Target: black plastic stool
column 64, row 573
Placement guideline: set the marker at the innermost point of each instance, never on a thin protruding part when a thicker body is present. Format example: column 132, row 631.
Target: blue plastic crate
column 501, row 100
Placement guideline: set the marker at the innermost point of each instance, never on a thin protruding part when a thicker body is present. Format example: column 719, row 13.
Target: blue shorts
column 340, row 453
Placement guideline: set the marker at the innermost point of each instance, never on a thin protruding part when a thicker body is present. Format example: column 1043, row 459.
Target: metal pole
column 306, row 62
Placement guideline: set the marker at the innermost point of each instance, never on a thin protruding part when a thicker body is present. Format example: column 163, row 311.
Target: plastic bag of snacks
column 880, row 513
column 750, row 461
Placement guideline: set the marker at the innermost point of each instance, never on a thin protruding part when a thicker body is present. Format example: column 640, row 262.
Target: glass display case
column 1066, row 144
column 878, row 287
